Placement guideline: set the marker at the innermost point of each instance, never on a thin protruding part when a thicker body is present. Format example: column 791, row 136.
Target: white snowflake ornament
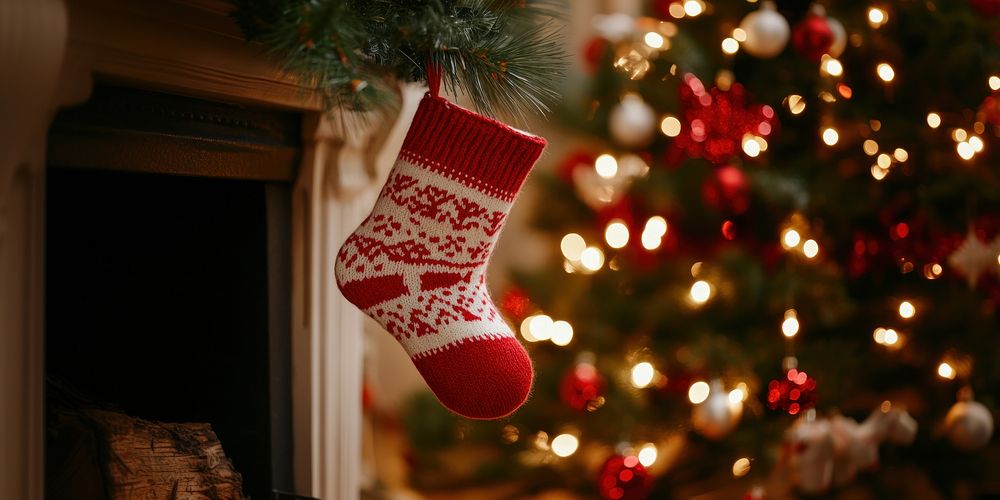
column 975, row 257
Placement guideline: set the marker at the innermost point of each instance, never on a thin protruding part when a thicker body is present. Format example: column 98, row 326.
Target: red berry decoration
column 988, row 8
column 812, row 37
column 793, row 393
column 624, row 478
column 714, row 122
column 582, row 388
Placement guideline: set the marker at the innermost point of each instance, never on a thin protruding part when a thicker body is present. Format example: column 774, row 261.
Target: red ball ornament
column 594, row 52
column 582, row 387
column 573, row 161
column 516, row 304
column 624, row 478
column 727, row 190
column 713, row 122
column 988, row 8
column 812, row 37
column 989, row 110
column 793, row 393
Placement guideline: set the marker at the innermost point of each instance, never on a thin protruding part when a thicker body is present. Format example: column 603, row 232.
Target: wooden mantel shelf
column 179, row 46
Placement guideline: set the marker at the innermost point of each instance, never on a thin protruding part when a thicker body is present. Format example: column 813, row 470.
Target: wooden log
column 147, row 460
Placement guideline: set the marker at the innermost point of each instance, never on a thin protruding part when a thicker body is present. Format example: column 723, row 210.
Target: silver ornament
column 767, row 32
column 969, row 425
column 632, row 122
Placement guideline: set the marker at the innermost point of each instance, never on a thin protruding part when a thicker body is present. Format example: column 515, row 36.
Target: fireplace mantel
column 51, row 52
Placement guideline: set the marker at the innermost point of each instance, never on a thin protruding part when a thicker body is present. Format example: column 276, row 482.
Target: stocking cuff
column 475, row 150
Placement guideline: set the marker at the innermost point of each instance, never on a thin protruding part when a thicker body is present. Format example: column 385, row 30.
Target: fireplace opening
column 168, row 269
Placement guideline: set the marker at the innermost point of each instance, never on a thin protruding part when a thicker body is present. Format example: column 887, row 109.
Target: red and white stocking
column 417, row 264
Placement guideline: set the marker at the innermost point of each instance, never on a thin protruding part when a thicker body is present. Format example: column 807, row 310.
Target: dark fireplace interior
column 167, row 268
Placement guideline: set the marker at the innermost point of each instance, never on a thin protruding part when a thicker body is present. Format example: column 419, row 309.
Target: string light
column 900, row 155
column 906, row 309
column 642, row 374
column 883, row 161
column 885, row 72
column 879, row 173
column 647, row 454
column 933, row 120
column 592, row 258
column 959, row 135
column 730, row 46
column 737, row 395
column 701, row 291
column 994, row 82
column 693, row 8
column 670, row 126
column 830, row 136
column 886, row 336
column 976, row 143
column 810, row 249
column 965, row 150
column 562, row 333
column 698, row 392
column 870, row 147
column 565, row 445
column 790, row 326
column 796, row 104
column 946, row 371
column 740, row 35
column 831, row 66
column 616, row 234
column 741, row 467
column 537, row 328
column 654, row 40
column 933, row 271
column 676, row 10
column 877, row 17
column 606, row 166
column 653, row 232
column 790, row 238
column 572, row 245
column 890, row 338
column 750, row 146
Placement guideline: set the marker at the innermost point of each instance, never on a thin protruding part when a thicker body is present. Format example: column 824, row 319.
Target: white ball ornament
column 839, row 37
column 969, row 425
column 767, row 32
column 632, row 122
column 717, row 416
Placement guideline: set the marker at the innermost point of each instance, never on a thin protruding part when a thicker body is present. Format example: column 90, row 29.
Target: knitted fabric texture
column 417, row 264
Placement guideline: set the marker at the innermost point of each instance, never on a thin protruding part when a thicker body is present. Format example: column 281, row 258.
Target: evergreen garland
column 504, row 54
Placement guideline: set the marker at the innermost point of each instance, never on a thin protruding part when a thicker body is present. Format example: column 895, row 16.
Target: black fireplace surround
column 168, row 268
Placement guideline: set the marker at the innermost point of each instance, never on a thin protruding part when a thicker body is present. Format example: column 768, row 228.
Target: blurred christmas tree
column 792, row 227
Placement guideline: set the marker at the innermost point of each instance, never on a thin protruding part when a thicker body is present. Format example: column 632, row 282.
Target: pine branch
column 506, row 56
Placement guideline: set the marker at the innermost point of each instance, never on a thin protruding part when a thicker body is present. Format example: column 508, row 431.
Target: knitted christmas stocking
column 417, row 264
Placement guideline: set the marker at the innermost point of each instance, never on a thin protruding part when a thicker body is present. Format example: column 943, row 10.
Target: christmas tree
column 774, row 262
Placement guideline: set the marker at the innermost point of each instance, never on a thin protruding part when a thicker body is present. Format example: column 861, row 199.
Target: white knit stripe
column 455, row 333
column 425, row 176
